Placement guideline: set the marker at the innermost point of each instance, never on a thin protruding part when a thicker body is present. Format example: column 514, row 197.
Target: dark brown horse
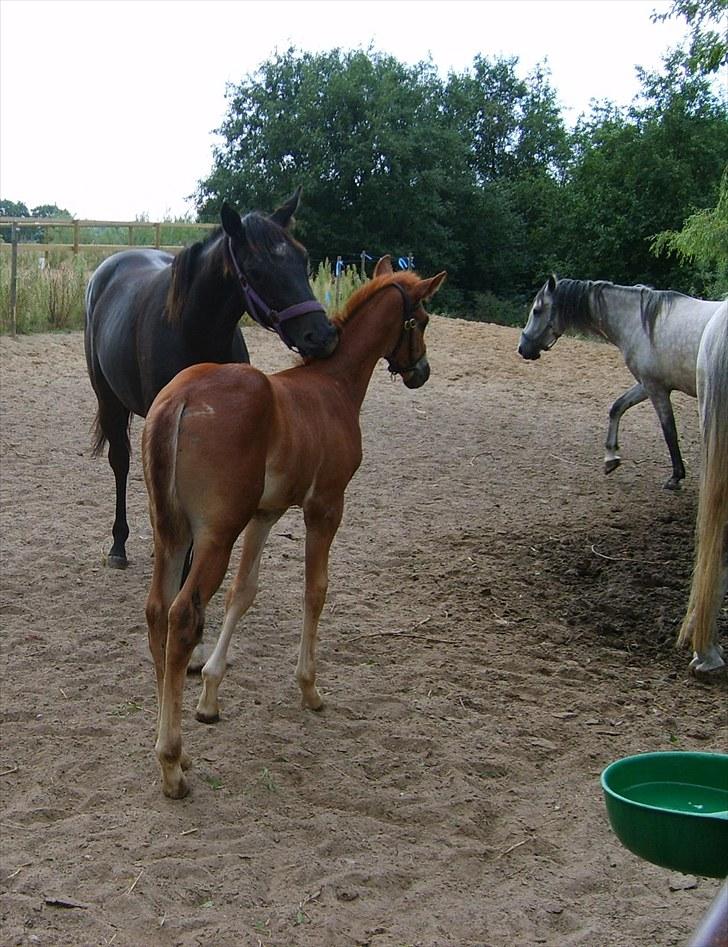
column 150, row 314
column 228, row 448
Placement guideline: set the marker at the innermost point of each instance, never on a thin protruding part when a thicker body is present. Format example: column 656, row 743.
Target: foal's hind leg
column 629, row 399
column 239, row 599
column 113, row 420
column 184, row 629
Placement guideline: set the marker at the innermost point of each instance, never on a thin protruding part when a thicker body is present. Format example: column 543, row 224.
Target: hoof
column 313, row 701
column 117, row 562
column 610, row 465
column 206, row 718
column 672, row 484
column 175, row 788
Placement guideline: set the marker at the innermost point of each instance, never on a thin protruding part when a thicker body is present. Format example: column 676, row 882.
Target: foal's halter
column 260, row 311
column 409, row 324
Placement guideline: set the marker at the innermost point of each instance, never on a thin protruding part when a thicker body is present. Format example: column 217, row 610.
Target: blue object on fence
column 403, row 263
column 339, row 267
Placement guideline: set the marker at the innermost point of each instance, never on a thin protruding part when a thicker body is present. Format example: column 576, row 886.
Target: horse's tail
column 100, row 439
column 711, row 527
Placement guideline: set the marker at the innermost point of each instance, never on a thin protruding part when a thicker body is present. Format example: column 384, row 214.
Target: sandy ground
column 499, row 627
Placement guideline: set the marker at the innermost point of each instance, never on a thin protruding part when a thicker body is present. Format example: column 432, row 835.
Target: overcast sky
column 108, row 107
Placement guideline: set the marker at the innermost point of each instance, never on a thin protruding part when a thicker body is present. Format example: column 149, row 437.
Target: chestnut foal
column 228, row 449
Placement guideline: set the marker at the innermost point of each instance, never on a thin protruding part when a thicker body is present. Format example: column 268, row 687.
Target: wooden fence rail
column 18, row 224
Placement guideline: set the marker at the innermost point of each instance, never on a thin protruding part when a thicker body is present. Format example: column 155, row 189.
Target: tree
column 704, row 241
column 708, row 49
column 364, row 136
column 13, row 209
column 640, row 171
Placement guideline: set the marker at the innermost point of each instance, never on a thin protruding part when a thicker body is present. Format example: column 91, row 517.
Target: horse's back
column 674, row 343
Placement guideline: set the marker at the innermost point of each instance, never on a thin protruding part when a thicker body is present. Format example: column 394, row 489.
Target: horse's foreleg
column 321, row 528
column 184, row 630
column 662, row 405
column 239, row 599
column 629, row 399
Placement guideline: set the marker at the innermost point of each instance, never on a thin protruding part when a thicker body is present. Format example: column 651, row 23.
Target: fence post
column 337, row 280
column 76, row 236
column 14, row 231
column 157, row 235
column 363, row 264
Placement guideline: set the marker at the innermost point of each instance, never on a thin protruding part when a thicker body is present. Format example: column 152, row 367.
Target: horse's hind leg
column 662, row 405
column 629, row 399
column 239, row 599
column 113, row 421
column 185, row 622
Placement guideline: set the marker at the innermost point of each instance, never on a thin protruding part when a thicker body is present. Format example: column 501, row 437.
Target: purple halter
column 261, row 312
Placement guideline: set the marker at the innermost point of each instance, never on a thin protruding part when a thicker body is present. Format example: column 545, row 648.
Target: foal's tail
column 711, row 528
column 159, row 455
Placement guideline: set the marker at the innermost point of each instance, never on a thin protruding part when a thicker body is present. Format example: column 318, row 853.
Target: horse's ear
column 551, row 283
column 384, row 266
column 231, row 223
column 283, row 216
column 426, row 288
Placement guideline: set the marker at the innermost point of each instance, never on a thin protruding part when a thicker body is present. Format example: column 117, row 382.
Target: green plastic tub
column 671, row 809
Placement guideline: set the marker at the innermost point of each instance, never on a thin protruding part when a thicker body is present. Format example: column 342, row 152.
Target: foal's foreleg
column 239, row 599
column 321, row 528
column 629, row 399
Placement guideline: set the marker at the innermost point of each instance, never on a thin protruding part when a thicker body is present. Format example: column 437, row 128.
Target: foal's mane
column 362, row 295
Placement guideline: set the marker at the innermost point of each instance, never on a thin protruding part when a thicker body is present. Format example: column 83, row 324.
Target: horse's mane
column 581, row 303
column 262, row 236
column 369, row 289
column 184, row 269
column 652, row 303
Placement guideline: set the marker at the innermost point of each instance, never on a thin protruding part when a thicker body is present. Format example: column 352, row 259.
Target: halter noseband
column 408, row 324
column 260, row 311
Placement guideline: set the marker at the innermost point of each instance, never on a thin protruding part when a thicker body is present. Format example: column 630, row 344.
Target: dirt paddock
column 499, row 627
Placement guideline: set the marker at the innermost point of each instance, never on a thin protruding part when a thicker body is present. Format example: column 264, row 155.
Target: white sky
column 108, row 107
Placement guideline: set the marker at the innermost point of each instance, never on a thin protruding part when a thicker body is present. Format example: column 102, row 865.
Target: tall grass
column 50, row 289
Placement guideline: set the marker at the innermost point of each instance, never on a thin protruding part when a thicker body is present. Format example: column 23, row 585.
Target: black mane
column 580, row 303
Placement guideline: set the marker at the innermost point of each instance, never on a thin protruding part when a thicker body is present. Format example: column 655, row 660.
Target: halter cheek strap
column 409, row 323
column 260, row 311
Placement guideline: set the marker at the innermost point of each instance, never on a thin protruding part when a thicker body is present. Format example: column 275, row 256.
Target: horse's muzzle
column 320, row 343
column 419, row 374
column 528, row 349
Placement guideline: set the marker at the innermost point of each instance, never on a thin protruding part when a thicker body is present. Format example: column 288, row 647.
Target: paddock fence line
column 56, row 225
column 46, row 235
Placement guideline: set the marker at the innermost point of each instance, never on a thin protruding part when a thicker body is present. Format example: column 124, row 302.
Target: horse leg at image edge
column 239, row 599
column 629, row 399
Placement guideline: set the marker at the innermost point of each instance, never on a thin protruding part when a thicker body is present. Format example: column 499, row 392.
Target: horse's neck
column 617, row 315
column 366, row 337
column 214, row 304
